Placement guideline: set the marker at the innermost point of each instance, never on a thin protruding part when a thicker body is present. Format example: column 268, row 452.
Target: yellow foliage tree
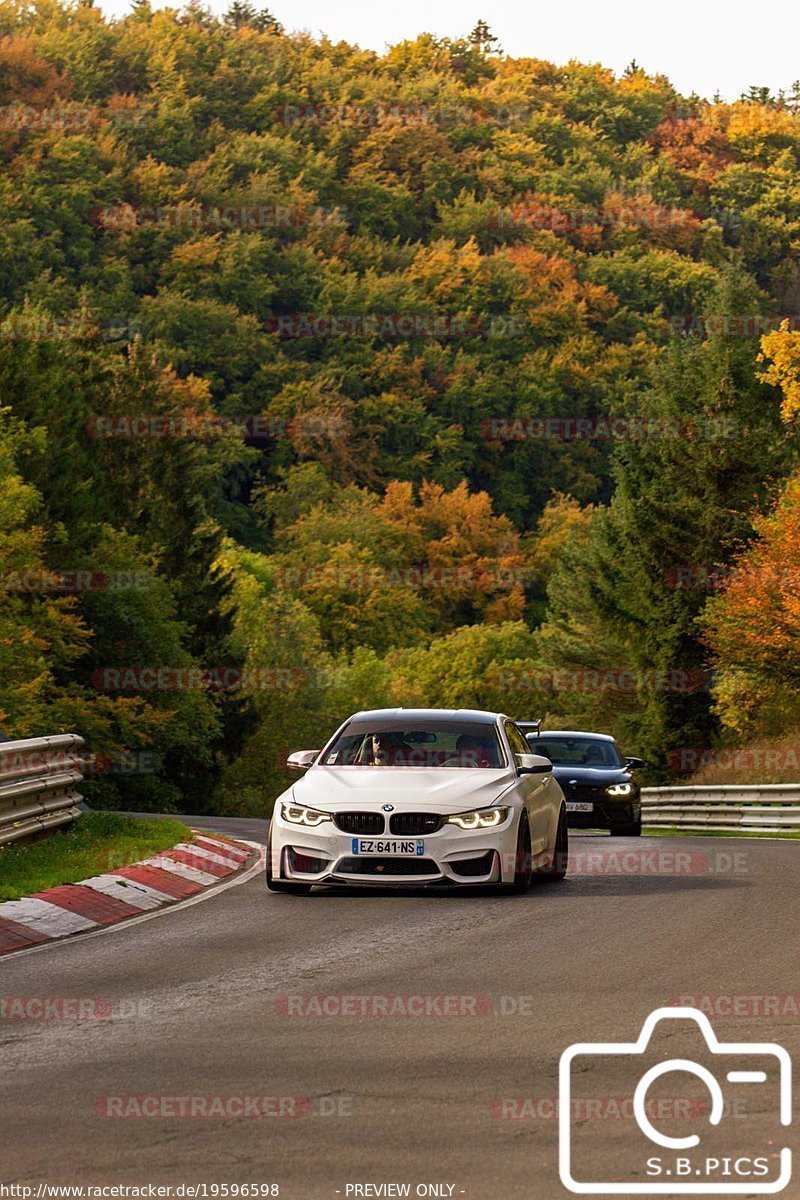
column 781, row 350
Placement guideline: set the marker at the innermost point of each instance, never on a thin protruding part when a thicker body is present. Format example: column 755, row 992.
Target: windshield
column 423, row 744
column 578, row 751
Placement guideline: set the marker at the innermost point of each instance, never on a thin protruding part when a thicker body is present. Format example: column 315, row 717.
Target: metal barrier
column 766, row 807
column 38, row 782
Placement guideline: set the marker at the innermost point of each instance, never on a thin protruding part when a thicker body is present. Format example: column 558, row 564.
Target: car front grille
column 359, row 822
column 387, row 866
column 415, row 824
column 584, row 791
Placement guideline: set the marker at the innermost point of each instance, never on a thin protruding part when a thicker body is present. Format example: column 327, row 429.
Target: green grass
column 678, row 831
column 98, row 842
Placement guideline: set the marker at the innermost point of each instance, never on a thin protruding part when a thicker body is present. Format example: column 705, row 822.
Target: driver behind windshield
column 472, row 751
column 389, row 749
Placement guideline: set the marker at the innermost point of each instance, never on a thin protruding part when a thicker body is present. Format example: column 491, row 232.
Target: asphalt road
column 197, row 1011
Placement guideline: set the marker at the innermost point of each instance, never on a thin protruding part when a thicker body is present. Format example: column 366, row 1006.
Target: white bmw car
column 419, row 796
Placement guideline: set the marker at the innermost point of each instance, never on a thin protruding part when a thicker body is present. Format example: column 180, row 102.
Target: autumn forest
column 332, row 379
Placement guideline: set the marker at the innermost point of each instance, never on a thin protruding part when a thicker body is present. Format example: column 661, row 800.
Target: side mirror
column 301, row 760
column 634, row 763
column 532, row 764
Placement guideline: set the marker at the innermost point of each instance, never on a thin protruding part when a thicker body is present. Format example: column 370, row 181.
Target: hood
column 596, row 776
column 409, row 789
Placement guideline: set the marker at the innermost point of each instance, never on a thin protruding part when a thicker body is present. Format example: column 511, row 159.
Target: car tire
column 523, row 859
column 630, row 829
column 557, row 871
column 283, row 885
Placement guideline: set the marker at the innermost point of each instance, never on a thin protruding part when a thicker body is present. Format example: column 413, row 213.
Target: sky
column 705, row 46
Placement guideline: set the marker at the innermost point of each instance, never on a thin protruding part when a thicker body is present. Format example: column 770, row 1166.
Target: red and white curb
column 166, row 878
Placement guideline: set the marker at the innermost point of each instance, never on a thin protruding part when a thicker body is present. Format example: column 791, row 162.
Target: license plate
column 580, row 806
column 403, row 849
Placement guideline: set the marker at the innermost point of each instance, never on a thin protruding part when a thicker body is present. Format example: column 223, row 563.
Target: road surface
column 200, row 1000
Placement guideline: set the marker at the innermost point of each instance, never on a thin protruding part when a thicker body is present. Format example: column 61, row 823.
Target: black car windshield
column 418, row 744
column 578, row 751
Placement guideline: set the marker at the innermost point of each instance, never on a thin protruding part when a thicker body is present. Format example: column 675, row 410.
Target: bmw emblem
column 388, row 808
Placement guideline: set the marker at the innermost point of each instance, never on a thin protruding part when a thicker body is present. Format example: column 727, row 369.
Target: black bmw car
column 599, row 786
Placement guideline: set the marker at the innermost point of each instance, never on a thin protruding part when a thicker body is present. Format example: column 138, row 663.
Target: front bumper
column 450, row 856
column 606, row 811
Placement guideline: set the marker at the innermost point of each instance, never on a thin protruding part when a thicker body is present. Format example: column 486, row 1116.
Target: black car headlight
column 620, row 789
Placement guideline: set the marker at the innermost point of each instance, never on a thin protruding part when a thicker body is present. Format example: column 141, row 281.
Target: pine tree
column 632, row 589
column 243, row 14
column 483, row 38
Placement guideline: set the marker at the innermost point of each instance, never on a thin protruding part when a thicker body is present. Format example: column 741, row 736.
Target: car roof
column 469, row 716
column 600, row 737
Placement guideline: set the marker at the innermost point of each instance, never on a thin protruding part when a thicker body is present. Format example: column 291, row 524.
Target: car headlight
column 479, row 818
column 619, row 789
column 298, row 814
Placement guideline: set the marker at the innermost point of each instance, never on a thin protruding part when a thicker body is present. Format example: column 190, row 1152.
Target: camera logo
column 729, row 1090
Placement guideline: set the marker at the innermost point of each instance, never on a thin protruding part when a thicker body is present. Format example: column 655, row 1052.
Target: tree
column 43, row 634
column 494, row 667
column 482, row 37
column 781, row 351
column 242, row 14
column 753, row 627
column 389, row 571
column 562, row 519
column 632, row 589
column 756, row 94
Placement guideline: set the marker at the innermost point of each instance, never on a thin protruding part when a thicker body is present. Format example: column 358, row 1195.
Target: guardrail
column 38, row 785
column 766, row 807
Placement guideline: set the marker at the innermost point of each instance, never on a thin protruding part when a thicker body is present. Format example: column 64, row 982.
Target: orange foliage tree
column 753, row 626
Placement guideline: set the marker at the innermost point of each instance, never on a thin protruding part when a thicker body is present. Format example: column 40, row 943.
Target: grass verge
column 98, row 842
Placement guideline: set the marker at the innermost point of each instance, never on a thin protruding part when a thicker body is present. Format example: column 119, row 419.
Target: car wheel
column 630, row 829
column 283, row 885
column 561, row 852
column 523, row 861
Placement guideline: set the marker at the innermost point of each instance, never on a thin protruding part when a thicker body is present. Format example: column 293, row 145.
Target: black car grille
column 359, row 822
column 585, row 791
column 415, row 824
column 387, row 866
